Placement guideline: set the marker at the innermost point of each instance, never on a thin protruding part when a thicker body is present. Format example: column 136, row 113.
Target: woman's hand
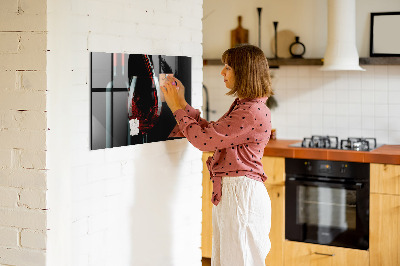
column 173, row 94
column 181, row 91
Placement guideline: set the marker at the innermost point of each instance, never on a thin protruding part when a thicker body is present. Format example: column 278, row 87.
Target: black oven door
column 327, row 212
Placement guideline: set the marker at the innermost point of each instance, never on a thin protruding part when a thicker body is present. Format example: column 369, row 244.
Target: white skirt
column 241, row 223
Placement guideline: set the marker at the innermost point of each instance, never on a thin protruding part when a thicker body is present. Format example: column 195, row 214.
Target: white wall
column 306, row 19
column 136, row 205
column 23, row 133
column 311, row 102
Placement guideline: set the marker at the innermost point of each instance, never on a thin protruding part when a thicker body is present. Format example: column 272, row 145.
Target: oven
column 327, row 202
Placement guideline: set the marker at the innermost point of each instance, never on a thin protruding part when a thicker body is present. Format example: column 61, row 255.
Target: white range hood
column 341, row 51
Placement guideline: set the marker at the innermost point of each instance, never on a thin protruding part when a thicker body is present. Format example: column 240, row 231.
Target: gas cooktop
column 332, row 142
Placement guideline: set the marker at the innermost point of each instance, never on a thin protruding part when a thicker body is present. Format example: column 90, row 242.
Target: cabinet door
column 384, row 230
column 206, row 232
column 274, row 168
column 304, row 254
column 277, row 233
column 385, row 178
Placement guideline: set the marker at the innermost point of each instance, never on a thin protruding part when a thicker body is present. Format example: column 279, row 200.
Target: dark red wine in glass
column 143, row 104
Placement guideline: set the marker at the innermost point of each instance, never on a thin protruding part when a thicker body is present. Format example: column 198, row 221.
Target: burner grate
column 358, row 144
column 327, row 142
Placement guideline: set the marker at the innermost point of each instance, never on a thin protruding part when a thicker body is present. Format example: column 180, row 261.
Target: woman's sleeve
column 193, row 113
column 229, row 131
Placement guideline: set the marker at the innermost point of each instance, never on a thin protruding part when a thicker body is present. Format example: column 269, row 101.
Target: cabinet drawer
column 304, row 254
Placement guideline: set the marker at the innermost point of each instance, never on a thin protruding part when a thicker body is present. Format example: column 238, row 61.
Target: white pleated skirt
column 241, row 223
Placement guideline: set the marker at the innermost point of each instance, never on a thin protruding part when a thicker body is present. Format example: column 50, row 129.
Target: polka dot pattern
column 238, row 139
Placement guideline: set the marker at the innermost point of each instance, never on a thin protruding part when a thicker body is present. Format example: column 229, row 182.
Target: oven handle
column 357, row 185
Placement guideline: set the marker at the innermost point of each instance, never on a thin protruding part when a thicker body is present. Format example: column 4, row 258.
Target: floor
column 206, row 261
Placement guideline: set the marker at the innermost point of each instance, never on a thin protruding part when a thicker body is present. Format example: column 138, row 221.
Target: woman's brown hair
column 250, row 66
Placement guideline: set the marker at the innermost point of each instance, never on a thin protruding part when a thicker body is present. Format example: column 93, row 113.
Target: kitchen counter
column 389, row 154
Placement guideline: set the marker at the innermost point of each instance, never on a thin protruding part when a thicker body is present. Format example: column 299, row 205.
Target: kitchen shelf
column 273, row 63
column 380, row 61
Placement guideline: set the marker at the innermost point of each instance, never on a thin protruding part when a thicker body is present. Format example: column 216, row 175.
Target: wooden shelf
column 273, row 63
column 380, row 61
column 295, row 62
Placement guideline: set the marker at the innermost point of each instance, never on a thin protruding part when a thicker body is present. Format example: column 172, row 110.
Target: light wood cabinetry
column 206, row 232
column 384, row 222
column 277, row 233
column 385, row 178
column 385, row 215
column 304, row 254
column 274, row 168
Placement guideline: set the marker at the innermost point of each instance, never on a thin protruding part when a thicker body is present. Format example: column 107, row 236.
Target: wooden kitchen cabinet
column 277, row 233
column 385, row 178
column 384, row 215
column 384, row 236
column 206, row 226
column 305, row 254
column 274, row 168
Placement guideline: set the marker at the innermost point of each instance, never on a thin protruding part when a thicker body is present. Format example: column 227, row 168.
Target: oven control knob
column 343, row 168
column 308, row 166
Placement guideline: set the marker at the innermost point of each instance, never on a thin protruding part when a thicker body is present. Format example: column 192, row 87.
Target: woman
column 242, row 208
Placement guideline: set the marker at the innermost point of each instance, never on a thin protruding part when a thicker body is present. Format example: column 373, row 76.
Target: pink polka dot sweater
column 238, row 139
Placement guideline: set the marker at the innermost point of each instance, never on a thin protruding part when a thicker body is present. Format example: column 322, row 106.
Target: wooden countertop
column 389, row 154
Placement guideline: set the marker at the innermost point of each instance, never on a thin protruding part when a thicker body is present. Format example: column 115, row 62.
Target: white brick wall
column 101, row 204
column 23, row 125
column 137, row 205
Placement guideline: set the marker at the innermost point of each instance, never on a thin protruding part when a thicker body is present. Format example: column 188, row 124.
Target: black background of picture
column 111, row 75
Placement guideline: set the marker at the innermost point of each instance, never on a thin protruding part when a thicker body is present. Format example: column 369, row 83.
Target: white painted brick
column 192, row 23
column 30, row 80
column 197, row 62
column 8, row 197
column 33, row 239
column 33, row 159
column 132, row 44
column 196, row 10
column 32, row 42
column 191, row 48
column 5, row 158
column 22, row 100
column 22, row 22
column 178, row 8
column 34, row 120
column 9, row 237
column 9, row 42
column 104, row 43
column 97, row 173
column 8, row 80
column 35, row 140
column 27, row 61
column 33, row 199
column 8, row 6
column 17, row 256
column 98, row 222
column 20, row 217
column 168, row 20
column 36, row 7
column 23, row 178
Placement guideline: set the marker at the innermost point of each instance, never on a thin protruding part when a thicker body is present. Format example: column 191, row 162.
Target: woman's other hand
column 174, row 94
column 181, row 90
